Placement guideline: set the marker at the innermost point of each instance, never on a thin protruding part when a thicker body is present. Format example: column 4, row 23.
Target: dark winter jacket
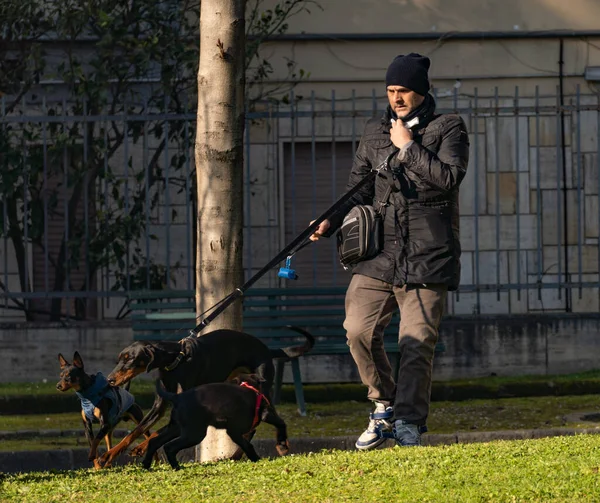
column 421, row 224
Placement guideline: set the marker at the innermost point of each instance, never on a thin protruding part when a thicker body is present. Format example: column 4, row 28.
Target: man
column 420, row 259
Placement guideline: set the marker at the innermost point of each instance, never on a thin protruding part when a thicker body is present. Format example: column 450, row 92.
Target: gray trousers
column 370, row 304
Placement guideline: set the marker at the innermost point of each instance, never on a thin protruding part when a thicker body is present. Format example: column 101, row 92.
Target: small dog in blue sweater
column 100, row 402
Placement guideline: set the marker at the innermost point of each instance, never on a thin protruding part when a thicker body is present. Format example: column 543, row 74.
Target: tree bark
column 219, row 156
column 219, row 173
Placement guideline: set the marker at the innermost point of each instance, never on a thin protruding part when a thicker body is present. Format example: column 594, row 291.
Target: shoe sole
column 407, row 445
column 372, row 445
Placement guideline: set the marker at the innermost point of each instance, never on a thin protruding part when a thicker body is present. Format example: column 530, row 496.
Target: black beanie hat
column 409, row 71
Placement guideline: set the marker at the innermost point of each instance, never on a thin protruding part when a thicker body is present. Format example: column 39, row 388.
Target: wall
column 30, row 351
column 402, row 16
column 502, row 345
column 475, row 347
column 485, row 63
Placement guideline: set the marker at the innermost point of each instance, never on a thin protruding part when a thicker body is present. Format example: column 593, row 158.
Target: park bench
column 170, row 314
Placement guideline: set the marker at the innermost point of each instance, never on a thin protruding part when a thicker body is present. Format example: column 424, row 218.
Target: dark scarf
column 425, row 112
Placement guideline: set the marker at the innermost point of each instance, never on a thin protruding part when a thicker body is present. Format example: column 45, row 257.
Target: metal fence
column 94, row 206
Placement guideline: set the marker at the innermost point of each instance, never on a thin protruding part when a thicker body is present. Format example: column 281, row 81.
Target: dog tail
column 294, row 351
column 163, row 393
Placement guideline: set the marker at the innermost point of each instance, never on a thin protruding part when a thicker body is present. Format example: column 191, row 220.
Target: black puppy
column 210, row 358
column 236, row 408
column 100, row 402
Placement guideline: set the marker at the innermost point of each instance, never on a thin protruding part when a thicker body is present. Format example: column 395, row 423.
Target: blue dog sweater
column 120, row 399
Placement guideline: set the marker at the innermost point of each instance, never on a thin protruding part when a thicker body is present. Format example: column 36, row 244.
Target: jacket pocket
column 430, row 227
column 378, row 141
column 431, row 141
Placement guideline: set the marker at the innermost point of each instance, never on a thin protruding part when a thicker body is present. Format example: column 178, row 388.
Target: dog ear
column 251, row 378
column 237, row 379
column 257, row 378
column 77, row 361
column 62, row 361
column 149, row 352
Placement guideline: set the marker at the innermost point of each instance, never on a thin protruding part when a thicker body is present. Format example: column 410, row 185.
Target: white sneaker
column 379, row 421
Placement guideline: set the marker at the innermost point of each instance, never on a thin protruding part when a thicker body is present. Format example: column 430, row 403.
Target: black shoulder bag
column 361, row 235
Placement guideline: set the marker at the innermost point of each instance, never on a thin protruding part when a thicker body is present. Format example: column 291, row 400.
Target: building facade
column 522, row 75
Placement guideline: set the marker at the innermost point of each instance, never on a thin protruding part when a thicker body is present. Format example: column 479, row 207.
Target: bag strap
column 384, row 201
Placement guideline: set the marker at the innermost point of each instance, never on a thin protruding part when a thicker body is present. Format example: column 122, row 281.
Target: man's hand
column 323, row 226
column 400, row 134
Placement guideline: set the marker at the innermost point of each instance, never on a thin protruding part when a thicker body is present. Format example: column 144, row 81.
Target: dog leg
column 246, row 446
column 140, row 429
column 163, row 436
column 108, row 441
column 136, row 414
column 142, row 448
column 266, row 376
column 179, row 443
column 239, row 454
column 88, row 428
column 104, row 432
column 108, row 457
column 271, row 417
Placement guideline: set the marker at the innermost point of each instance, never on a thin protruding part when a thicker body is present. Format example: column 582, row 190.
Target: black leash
column 297, row 244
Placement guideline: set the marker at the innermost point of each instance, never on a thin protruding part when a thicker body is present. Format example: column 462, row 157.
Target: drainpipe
column 561, row 63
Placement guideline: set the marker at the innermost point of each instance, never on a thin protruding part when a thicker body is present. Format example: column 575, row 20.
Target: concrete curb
column 72, row 459
column 319, row 393
column 26, row 434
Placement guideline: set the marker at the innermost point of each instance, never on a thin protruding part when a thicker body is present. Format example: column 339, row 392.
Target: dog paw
column 103, row 461
column 99, row 463
column 237, row 455
column 283, row 448
column 138, row 451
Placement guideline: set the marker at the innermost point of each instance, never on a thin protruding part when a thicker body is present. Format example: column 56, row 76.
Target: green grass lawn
column 146, row 385
column 48, row 387
column 350, row 418
column 559, row 469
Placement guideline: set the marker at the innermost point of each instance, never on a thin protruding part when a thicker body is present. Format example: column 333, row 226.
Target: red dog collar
column 259, row 398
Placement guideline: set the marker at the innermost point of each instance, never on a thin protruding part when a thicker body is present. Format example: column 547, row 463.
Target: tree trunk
column 219, row 174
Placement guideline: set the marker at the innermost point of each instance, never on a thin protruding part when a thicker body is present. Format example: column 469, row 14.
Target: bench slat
column 252, row 292
column 173, row 321
column 161, row 306
column 275, row 313
column 161, row 294
column 293, row 313
column 180, row 315
column 293, row 302
column 316, row 291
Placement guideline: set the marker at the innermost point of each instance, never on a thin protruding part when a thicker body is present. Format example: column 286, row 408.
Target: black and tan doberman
column 211, row 358
column 238, row 408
